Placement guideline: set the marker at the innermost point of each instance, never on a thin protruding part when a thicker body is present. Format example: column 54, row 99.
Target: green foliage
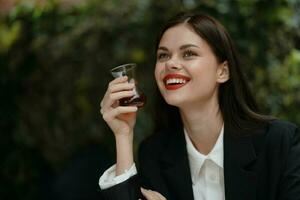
column 54, row 63
column 8, row 35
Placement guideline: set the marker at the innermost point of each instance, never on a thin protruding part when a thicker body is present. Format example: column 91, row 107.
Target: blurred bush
column 55, row 58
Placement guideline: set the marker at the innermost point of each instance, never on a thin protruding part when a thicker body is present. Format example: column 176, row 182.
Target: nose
column 172, row 65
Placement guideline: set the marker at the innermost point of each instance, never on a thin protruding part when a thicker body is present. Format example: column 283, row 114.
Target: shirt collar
column 197, row 159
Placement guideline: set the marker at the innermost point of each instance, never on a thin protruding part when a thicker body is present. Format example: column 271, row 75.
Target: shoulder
column 281, row 129
column 162, row 143
column 281, row 125
column 154, row 143
column 282, row 134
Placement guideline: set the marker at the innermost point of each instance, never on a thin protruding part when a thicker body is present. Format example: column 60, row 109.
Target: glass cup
column 138, row 99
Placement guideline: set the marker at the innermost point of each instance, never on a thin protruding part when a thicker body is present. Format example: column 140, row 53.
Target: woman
column 214, row 145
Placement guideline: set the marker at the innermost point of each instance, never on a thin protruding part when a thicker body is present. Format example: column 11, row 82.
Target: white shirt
column 207, row 172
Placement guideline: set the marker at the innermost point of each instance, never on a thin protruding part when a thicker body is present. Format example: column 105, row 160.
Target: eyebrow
column 162, row 48
column 187, row 46
column 181, row 48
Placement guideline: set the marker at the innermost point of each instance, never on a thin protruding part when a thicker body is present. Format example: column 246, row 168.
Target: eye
column 189, row 53
column 162, row 56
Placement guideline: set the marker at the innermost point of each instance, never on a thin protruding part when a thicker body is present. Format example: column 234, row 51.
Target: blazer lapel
column 239, row 178
column 175, row 166
column 239, row 153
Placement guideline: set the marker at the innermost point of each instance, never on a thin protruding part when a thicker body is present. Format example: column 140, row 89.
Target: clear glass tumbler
column 138, row 99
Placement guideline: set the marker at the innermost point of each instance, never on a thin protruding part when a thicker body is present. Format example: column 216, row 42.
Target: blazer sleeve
column 127, row 190
column 290, row 183
column 130, row 189
column 150, row 168
column 148, row 176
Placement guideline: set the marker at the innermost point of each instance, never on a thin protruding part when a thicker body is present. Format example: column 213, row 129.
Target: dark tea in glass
column 138, row 99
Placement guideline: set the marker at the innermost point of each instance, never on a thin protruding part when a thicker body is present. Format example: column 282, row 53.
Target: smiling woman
column 215, row 145
column 182, row 52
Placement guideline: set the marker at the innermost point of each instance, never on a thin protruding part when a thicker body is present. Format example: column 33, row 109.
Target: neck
column 203, row 124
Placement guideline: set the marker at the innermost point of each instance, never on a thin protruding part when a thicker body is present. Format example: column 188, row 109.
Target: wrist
column 124, row 150
column 124, row 136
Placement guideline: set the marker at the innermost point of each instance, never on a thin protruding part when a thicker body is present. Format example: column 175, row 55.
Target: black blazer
column 264, row 166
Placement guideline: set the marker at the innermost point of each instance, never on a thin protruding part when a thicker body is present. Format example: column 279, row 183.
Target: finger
column 104, row 109
column 120, row 87
column 113, row 113
column 111, row 84
column 120, row 79
column 117, row 88
column 113, row 97
column 152, row 195
column 159, row 195
column 147, row 194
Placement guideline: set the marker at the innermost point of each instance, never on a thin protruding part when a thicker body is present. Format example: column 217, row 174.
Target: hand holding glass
column 138, row 99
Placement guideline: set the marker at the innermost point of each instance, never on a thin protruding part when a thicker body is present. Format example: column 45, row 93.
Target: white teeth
column 175, row 81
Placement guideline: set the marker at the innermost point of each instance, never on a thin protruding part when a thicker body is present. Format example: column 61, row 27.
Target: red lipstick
column 175, row 81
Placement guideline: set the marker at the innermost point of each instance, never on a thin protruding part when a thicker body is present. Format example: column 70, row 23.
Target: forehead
column 180, row 35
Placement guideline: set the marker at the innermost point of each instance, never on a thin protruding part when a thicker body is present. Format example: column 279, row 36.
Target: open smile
column 175, row 81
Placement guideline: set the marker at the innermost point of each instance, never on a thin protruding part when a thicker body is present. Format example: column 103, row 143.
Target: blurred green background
column 55, row 58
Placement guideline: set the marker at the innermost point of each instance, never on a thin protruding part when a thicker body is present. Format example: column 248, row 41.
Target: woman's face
column 187, row 71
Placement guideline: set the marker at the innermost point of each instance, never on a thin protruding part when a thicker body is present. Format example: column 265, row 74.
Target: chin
column 174, row 101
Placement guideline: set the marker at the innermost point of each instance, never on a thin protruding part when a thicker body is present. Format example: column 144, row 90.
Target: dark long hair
column 237, row 104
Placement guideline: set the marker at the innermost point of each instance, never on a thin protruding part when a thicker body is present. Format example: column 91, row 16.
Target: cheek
column 206, row 70
column 157, row 73
column 204, row 76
